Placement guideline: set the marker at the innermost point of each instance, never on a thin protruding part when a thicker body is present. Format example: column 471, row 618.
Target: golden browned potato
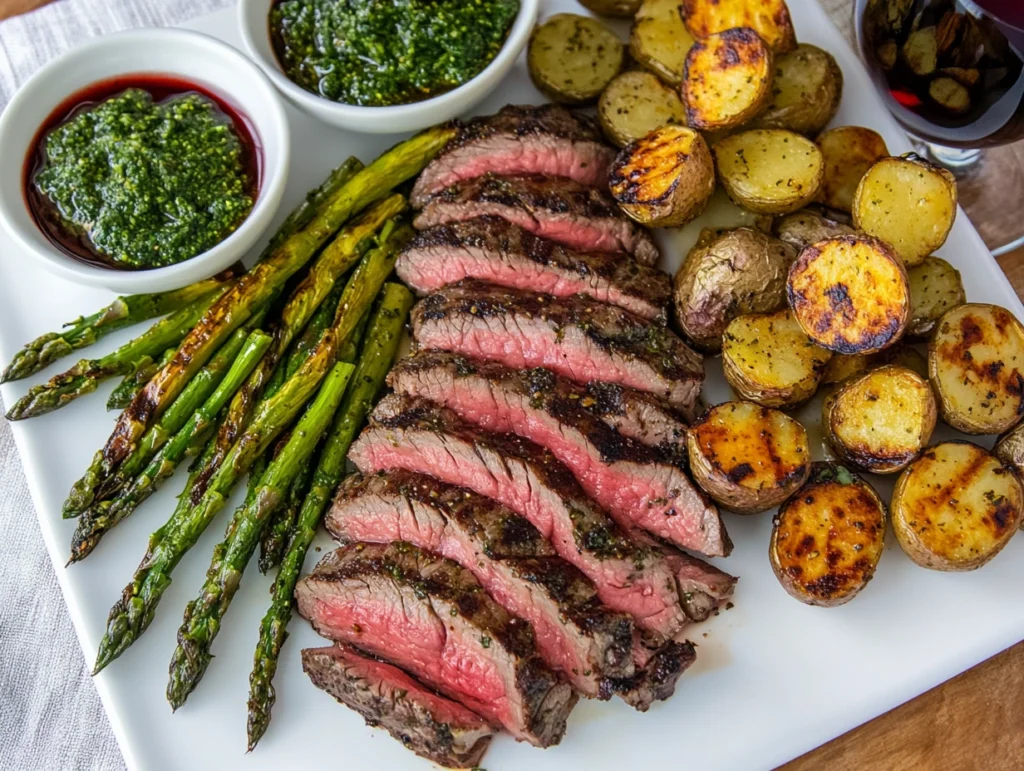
column 806, row 90
column 572, row 58
column 768, row 359
column 828, row 537
column 849, row 151
column 659, row 41
column 664, row 179
column 935, row 287
column 747, row 457
column 842, row 367
column 805, row 227
column 727, row 79
column 729, row 273
column 768, row 18
column 619, row 9
column 635, row 104
column 976, row 364
column 881, row 420
column 956, row 507
column 907, row 202
column 769, row 171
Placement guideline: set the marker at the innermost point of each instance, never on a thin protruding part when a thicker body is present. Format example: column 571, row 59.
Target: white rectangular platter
column 773, row 678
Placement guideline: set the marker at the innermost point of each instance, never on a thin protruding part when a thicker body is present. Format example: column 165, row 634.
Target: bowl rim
column 237, row 243
column 515, row 41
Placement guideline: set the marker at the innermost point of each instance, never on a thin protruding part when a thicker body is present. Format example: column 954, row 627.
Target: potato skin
column 828, row 537
column 727, row 79
column 807, row 88
column 636, row 103
column 881, row 420
column 849, row 151
column 976, row 365
column 956, row 507
column 769, row 171
column 935, row 287
column 1010, row 450
column 726, row 274
column 768, row 18
column 805, row 227
column 850, row 294
column 659, row 41
column 747, row 457
column 571, row 58
column 664, row 179
column 619, row 9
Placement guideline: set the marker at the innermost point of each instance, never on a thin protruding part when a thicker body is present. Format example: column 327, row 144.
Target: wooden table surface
column 973, row 721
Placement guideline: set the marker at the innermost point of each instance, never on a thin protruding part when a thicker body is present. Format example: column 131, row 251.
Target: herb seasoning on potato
column 769, row 171
column 805, row 94
column 727, row 80
column 828, row 537
column 572, row 58
column 635, row 104
column 935, row 287
column 659, row 41
column 849, row 151
column 805, row 227
column 768, row 18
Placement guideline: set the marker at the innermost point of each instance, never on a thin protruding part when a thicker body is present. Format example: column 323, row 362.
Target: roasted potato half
column 841, row 367
column 850, row 294
column 908, row 203
column 956, row 507
column 664, row 179
column 881, row 420
column 747, row 457
column 806, row 90
column 935, row 287
column 726, row 274
column 849, row 151
column 572, row 58
column 659, row 41
column 828, row 537
column 768, row 359
column 805, row 227
column 619, row 9
column 768, row 18
column 727, row 79
column 769, row 171
column 976, row 364
column 635, row 104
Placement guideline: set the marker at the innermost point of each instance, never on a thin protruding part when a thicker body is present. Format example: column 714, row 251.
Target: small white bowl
column 253, row 18
column 189, row 56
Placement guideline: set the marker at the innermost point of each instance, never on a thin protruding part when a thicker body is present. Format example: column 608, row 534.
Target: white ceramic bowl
column 190, row 56
column 253, row 18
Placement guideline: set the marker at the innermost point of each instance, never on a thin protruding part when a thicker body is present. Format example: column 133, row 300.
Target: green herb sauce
column 147, row 184
column 387, row 52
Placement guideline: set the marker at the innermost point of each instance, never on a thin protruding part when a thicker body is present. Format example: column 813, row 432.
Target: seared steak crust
column 437, row 599
column 430, row 725
column 524, row 139
column 637, row 485
column 577, row 337
column 492, row 249
column 578, row 636
column 578, row 216
column 656, row 679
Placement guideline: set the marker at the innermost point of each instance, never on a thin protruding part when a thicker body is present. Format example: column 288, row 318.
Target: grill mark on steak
column 580, row 217
column 576, row 337
column 430, row 725
column 655, row 680
column 637, row 485
column 492, row 249
column 430, row 616
column 416, row 435
column 520, row 140
column 577, row 635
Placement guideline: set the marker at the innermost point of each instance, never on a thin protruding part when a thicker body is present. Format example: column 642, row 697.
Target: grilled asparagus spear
column 142, row 371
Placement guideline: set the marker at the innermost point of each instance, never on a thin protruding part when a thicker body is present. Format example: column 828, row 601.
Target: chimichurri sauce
column 387, row 52
column 142, row 178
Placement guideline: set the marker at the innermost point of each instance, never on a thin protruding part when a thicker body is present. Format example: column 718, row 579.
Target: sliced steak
column 432, row 618
column 430, row 725
column 657, row 673
column 641, row 416
column 576, row 337
column 416, row 435
column 634, row 483
column 577, row 635
column 520, row 140
column 580, row 217
column 498, row 252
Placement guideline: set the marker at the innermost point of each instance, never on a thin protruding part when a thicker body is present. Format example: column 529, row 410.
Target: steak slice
column 657, row 673
column 430, row 725
column 641, row 416
column 520, row 140
column 580, row 217
column 578, row 636
column 494, row 250
column 576, row 337
column 432, row 618
column 634, row 483
column 416, row 435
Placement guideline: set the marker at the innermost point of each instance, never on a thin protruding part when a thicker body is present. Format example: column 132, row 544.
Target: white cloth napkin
column 50, row 715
